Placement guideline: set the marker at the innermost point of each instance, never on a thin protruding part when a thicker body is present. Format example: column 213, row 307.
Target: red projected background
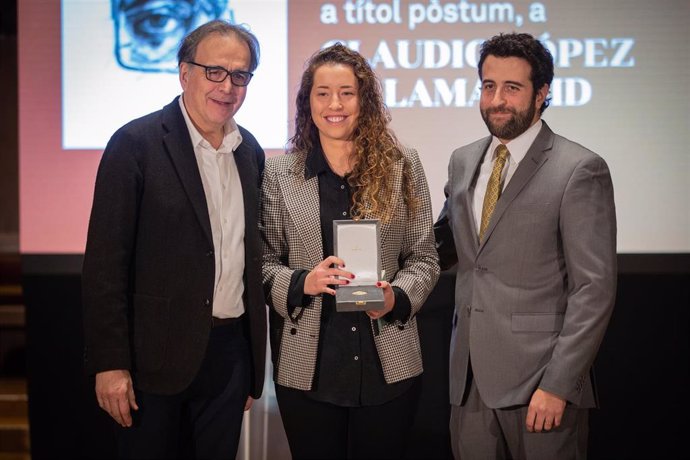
column 55, row 186
column 620, row 90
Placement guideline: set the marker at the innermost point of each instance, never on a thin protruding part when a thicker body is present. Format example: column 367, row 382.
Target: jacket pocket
column 537, row 322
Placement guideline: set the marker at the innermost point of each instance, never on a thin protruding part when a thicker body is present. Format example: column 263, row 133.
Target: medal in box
column 357, row 243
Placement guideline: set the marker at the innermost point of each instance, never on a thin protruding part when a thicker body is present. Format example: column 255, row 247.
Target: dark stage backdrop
column 641, row 370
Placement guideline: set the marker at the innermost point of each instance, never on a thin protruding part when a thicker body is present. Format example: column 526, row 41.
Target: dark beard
column 517, row 125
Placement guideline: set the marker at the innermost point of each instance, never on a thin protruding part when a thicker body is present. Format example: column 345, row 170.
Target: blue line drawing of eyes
column 152, row 23
column 148, row 32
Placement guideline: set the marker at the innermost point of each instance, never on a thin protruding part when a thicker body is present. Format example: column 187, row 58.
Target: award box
column 357, row 243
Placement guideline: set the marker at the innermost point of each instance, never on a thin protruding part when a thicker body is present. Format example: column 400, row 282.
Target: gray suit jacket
column 533, row 300
column 292, row 240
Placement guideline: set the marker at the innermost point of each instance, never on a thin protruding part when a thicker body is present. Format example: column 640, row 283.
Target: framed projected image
column 119, row 62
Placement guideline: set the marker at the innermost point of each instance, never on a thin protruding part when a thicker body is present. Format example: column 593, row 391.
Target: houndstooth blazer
column 291, row 234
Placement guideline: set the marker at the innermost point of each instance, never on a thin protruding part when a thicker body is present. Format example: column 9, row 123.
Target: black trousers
column 321, row 430
column 205, row 420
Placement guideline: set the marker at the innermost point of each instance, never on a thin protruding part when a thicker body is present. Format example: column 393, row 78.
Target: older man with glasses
column 174, row 314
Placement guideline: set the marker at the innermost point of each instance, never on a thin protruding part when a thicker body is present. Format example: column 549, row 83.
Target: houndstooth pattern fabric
column 291, row 235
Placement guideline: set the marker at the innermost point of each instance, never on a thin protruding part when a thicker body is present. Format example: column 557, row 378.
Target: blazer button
column 293, row 331
column 209, row 253
column 207, row 303
column 401, row 327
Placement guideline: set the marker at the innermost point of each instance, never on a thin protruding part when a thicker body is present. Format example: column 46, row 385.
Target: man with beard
column 530, row 221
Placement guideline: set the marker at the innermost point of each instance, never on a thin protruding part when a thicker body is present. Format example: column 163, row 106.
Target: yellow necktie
column 493, row 188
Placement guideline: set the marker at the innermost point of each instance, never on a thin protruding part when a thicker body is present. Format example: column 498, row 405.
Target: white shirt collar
column 519, row 146
column 231, row 140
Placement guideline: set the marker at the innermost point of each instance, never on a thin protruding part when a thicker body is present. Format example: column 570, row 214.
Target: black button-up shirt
column 348, row 369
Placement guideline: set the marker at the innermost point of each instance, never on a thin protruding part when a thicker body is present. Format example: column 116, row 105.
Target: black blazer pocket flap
column 537, row 322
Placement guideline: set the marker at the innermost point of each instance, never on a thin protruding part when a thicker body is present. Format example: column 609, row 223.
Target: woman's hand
column 388, row 301
column 322, row 275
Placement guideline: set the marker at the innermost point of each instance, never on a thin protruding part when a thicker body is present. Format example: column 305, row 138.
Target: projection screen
column 621, row 89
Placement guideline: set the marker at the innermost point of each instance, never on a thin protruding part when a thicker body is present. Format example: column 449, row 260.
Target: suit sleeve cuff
column 402, row 309
column 296, row 296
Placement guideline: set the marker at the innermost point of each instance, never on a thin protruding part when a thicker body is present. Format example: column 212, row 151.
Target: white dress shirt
column 518, row 148
column 225, row 203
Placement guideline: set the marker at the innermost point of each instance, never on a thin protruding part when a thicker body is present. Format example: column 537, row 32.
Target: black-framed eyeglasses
column 218, row 74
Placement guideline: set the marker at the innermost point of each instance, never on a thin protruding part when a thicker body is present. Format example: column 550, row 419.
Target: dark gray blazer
column 148, row 273
column 533, row 300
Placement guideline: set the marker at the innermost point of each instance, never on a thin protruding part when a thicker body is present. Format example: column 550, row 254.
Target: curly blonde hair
column 376, row 148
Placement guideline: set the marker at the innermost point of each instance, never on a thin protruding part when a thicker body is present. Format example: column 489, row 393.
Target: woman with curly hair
column 347, row 383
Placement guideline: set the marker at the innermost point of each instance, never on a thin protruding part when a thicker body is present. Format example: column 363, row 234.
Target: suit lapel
column 179, row 147
column 534, row 159
column 470, row 179
column 302, row 201
column 396, row 172
column 246, row 171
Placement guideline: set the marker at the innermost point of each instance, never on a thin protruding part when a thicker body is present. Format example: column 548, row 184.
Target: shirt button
column 344, row 213
column 354, row 329
column 342, row 187
column 356, row 358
